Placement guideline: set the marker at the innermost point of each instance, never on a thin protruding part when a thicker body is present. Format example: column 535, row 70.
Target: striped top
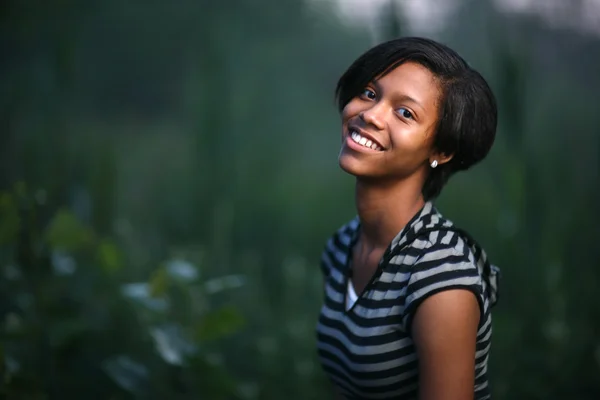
column 367, row 350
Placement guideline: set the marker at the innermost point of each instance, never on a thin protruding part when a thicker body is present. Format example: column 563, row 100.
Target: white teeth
column 364, row 141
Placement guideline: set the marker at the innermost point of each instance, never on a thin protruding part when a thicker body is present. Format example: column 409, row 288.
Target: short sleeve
column 441, row 268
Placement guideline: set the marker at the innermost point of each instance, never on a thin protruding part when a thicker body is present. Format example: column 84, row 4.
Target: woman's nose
column 374, row 116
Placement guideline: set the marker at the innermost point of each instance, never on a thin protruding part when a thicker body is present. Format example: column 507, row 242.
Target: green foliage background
column 169, row 175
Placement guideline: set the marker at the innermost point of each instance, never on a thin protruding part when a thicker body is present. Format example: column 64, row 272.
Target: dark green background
column 190, row 148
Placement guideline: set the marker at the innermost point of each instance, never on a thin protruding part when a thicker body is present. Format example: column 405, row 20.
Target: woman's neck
column 385, row 209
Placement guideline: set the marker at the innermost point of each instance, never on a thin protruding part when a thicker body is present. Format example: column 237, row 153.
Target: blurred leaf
column 127, row 373
column 223, row 283
column 182, row 270
column 9, row 218
column 109, row 256
column 219, row 323
column 63, row 263
column 140, row 292
column 159, row 283
column 171, row 344
column 67, row 233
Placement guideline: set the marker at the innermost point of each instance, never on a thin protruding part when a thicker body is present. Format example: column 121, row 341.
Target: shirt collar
column 426, row 218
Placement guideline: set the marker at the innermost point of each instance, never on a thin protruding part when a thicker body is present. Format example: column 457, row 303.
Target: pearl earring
column 434, row 164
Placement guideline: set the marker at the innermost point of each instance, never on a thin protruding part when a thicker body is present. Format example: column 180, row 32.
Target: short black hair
column 467, row 109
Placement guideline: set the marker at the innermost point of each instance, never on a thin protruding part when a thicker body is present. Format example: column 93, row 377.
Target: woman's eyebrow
column 407, row 98
column 400, row 96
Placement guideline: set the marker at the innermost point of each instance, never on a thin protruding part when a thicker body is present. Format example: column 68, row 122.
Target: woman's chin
column 353, row 166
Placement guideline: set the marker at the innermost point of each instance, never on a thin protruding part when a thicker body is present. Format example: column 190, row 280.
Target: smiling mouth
column 363, row 141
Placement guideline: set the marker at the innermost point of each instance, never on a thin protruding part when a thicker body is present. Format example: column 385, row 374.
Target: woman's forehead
column 410, row 81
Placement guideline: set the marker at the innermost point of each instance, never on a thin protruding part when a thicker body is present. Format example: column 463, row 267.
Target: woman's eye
column 405, row 113
column 369, row 94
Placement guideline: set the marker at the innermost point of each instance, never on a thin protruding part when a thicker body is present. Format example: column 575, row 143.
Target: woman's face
column 388, row 130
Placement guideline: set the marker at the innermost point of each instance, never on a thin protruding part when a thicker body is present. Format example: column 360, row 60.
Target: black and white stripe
column 367, row 350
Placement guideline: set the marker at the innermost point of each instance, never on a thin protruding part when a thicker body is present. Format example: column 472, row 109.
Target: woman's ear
column 439, row 158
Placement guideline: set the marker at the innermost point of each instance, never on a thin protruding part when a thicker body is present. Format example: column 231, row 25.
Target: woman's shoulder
column 450, row 254
column 433, row 232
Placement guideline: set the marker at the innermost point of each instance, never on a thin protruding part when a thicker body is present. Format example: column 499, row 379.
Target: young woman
column 407, row 302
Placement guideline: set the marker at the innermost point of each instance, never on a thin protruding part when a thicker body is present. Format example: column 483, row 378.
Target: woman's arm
column 444, row 331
